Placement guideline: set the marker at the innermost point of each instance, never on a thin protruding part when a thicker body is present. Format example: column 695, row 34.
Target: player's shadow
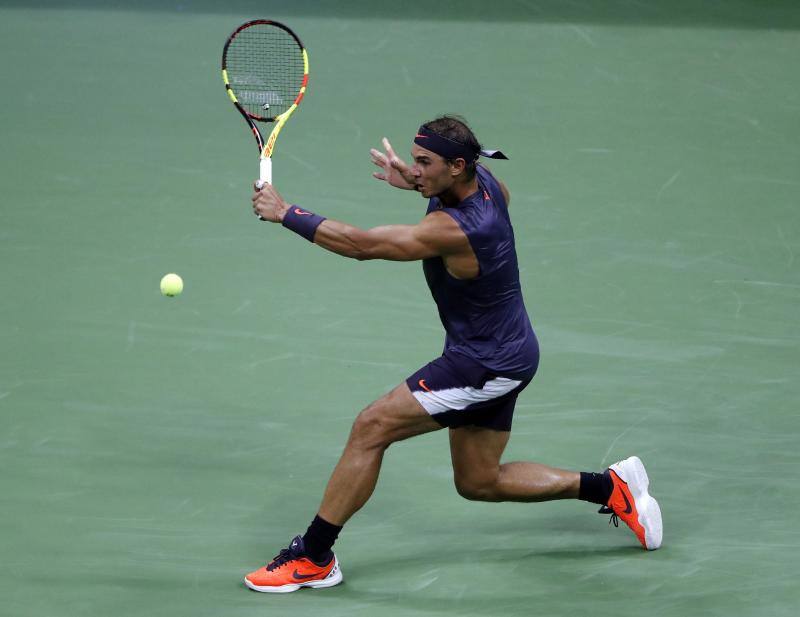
column 514, row 541
column 522, row 556
column 521, row 564
column 563, row 540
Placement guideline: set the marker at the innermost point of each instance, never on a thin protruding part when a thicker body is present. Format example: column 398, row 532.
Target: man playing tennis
column 466, row 244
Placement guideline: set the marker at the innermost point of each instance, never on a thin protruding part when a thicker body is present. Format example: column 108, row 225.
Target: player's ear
column 457, row 166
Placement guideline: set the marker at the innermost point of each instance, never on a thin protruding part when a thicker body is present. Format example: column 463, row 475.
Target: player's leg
column 394, row 417
column 479, row 475
column 480, row 418
column 309, row 560
column 622, row 489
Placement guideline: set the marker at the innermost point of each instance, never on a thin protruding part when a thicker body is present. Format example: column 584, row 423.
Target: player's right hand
column 268, row 205
column 395, row 171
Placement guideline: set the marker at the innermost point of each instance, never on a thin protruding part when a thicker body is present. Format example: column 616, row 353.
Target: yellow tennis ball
column 171, row 285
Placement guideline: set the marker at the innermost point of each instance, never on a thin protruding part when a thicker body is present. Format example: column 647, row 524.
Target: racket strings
column 265, row 68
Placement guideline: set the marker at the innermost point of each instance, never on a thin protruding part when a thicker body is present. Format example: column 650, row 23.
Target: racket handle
column 264, row 175
column 264, row 171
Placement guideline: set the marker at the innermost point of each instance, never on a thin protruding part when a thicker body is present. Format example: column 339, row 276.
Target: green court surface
column 154, row 450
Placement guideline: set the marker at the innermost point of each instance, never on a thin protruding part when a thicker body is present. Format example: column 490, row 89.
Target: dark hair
column 455, row 128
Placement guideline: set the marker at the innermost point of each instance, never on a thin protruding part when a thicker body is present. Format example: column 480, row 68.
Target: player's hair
column 456, row 128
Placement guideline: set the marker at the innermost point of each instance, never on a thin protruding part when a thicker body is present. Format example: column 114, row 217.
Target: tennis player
column 466, row 244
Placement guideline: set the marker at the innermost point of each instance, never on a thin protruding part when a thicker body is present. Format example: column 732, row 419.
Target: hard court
column 154, row 450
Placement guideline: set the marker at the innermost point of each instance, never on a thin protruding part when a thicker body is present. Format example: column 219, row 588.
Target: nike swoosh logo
column 301, row 213
column 422, row 136
column 423, row 386
column 628, row 507
column 302, row 577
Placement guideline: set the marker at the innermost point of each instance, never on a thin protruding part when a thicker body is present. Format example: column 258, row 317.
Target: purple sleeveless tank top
column 485, row 317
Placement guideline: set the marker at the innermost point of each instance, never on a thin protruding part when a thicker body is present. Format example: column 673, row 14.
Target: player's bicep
column 395, row 243
column 437, row 234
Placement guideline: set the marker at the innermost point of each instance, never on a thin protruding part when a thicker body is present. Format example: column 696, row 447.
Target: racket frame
column 267, row 147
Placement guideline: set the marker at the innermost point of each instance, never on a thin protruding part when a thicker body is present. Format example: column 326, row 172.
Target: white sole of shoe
column 334, row 578
column 632, row 472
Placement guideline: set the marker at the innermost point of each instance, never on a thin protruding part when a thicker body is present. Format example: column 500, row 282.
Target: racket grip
column 264, row 171
column 264, row 175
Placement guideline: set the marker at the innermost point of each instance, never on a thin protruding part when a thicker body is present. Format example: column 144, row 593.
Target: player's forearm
column 334, row 236
column 342, row 239
column 392, row 242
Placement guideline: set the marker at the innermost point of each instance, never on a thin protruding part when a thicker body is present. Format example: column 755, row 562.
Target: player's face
column 433, row 174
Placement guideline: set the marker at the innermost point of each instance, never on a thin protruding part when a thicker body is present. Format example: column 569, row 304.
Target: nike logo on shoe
column 628, row 507
column 301, row 577
column 632, row 502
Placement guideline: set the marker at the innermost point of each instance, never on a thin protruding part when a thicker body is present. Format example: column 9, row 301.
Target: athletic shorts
column 457, row 391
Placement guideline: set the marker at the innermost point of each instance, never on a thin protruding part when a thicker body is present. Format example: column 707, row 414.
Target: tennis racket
column 265, row 69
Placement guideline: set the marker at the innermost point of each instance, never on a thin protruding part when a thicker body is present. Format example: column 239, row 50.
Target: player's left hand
column 268, row 205
column 395, row 170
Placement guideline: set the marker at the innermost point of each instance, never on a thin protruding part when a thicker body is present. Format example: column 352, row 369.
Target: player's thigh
column 475, row 452
column 395, row 416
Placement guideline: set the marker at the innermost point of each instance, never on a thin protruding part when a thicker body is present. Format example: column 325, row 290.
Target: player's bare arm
column 436, row 235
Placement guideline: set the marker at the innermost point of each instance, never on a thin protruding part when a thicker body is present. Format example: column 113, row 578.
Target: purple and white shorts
column 457, row 391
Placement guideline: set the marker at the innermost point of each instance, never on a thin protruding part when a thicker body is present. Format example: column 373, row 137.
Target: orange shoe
column 292, row 569
column 631, row 502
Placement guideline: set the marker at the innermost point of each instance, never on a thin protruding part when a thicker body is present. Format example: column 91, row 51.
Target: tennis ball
column 171, row 285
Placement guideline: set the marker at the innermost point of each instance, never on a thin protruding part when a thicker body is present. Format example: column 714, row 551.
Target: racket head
column 265, row 69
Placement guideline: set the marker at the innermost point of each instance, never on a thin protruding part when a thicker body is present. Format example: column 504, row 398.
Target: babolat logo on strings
column 264, row 98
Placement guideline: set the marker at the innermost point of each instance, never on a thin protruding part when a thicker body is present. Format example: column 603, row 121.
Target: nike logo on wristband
column 301, row 213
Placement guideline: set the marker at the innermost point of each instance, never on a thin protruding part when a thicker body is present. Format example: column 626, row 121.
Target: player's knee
column 370, row 429
column 475, row 489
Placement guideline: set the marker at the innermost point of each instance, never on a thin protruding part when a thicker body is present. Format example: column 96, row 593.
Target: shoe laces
column 614, row 518
column 285, row 556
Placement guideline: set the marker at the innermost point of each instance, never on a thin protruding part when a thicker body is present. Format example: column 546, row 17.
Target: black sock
column 595, row 487
column 319, row 538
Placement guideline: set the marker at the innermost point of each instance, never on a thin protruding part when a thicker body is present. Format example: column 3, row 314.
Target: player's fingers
column 398, row 164
column 380, row 176
column 388, row 147
column 258, row 184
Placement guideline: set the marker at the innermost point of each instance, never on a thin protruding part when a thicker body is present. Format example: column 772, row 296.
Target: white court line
column 618, row 437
